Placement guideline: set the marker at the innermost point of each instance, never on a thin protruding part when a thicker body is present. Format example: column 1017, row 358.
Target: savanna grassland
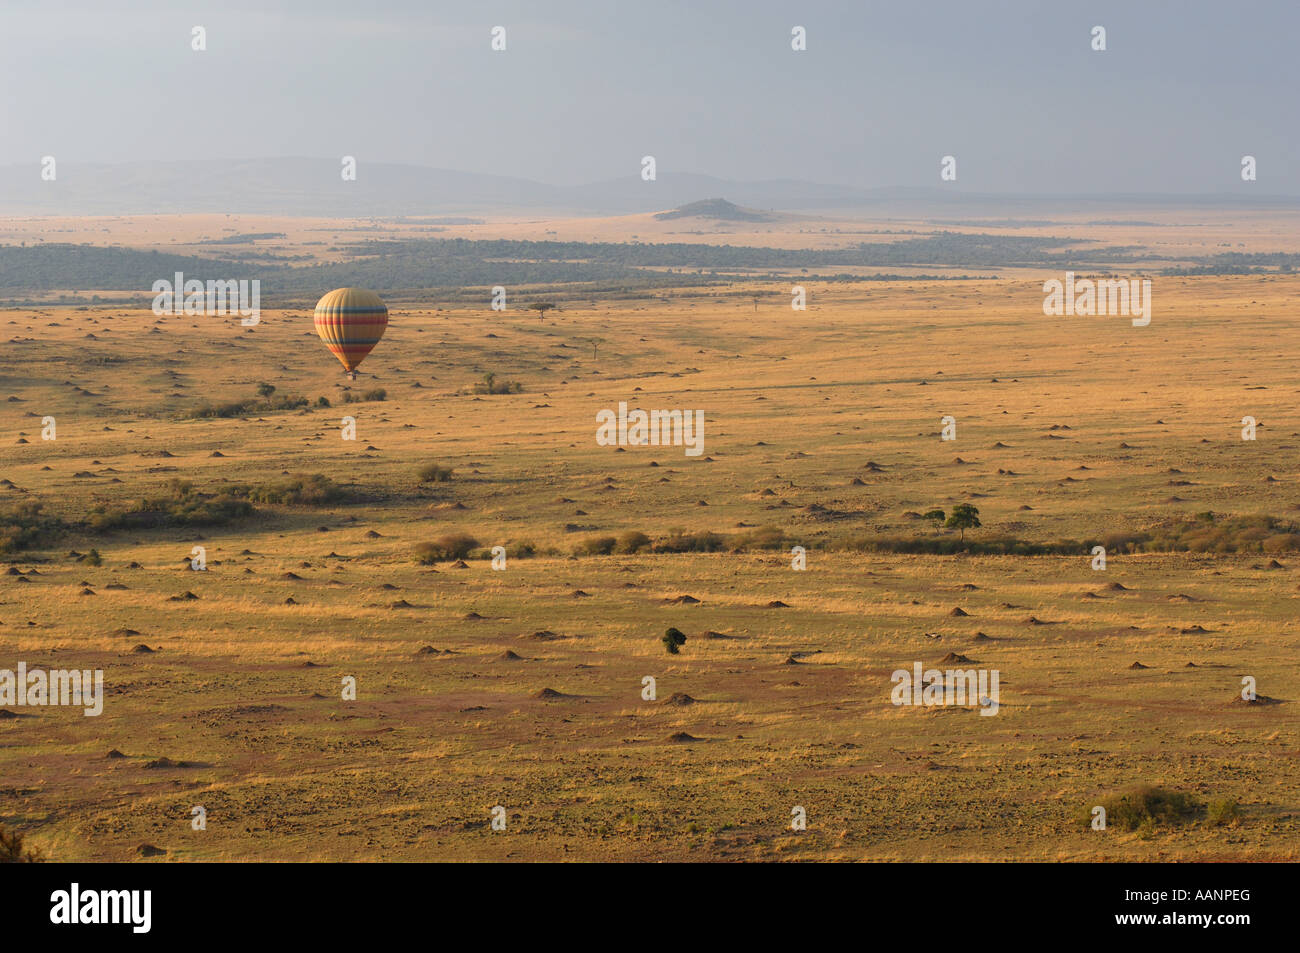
column 523, row 687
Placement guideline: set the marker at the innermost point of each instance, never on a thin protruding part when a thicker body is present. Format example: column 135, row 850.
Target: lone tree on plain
column 673, row 640
column 541, row 307
column 964, row 517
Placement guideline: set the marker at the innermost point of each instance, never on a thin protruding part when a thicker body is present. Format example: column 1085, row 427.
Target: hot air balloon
column 351, row 321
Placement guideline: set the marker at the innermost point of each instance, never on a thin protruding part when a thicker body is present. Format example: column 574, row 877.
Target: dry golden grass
column 246, row 689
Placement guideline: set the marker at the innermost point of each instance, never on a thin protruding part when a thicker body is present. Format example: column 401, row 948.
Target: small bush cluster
column 1205, row 533
column 1209, row 533
column 302, row 489
column 683, row 542
column 445, row 548
column 435, row 473
column 950, row 545
column 178, row 504
column 266, row 401
column 631, row 542
column 595, row 546
column 12, row 850
column 1146, row 808
column 24, row 526
column 490, row 385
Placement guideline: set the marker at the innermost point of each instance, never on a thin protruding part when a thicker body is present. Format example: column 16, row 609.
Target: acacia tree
column 541, row 307
column 964, row 517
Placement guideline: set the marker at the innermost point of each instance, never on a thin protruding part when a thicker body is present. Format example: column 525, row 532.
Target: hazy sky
column 584, row 89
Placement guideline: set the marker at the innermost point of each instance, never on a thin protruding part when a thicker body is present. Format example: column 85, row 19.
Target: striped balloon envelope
column 351, row 321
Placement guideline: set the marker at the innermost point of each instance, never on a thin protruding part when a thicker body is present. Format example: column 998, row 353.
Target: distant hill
column 719, row 209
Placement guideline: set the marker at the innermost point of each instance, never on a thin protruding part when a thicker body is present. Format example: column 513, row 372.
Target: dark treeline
column 1240, row 263
column 462, row 263
column 55, row 267
column 943, row 248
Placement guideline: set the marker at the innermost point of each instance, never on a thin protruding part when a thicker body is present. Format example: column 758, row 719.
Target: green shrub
column 1226, row 812
column 1211, row 533
column 178, row 504
column 1146, row 808
column 490, row 385
column 23, row 526
column 682, row 542
column 377, row 393
column 263, row 403
column 764, row 537
column 673, row 640
column 12, row 850
column 631, row 542
column 445, row 548
column 596, row 546
column 435, row 473
column 950, row 545
column 312, row 489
